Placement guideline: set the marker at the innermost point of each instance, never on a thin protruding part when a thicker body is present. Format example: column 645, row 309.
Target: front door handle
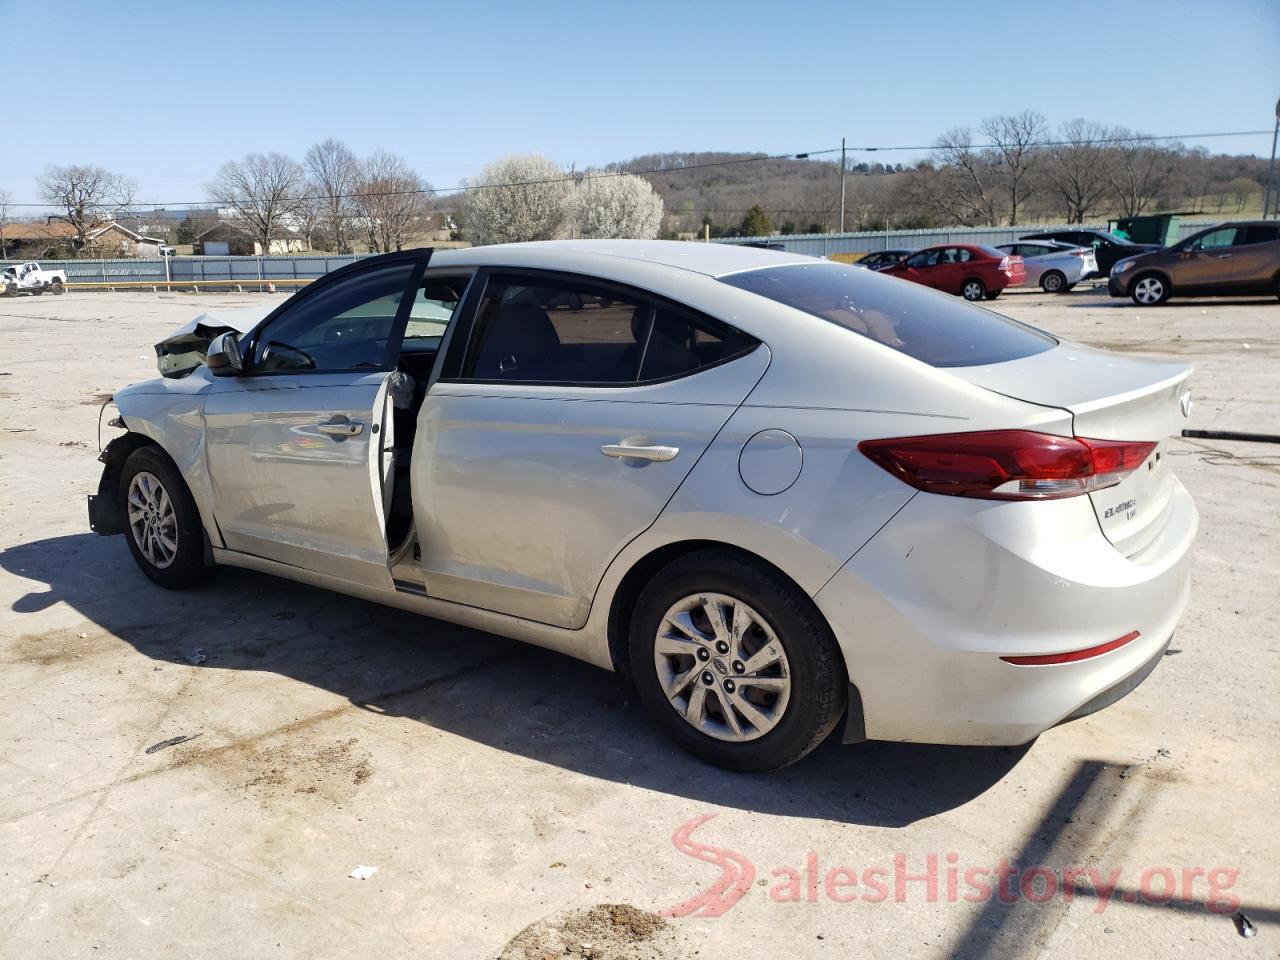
column 341, row 427
column 1224, row 256
column 659, row 453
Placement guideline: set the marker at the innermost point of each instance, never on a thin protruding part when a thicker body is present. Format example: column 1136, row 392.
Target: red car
column 969, row 270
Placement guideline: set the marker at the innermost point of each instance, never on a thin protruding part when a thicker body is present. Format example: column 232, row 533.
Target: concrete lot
column 496, row 786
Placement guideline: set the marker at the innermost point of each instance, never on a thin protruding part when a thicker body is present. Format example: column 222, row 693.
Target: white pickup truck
column 30, row 277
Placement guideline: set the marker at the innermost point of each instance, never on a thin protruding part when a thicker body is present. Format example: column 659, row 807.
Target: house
column 117, row 240
column 225, row 239
column 55, row 240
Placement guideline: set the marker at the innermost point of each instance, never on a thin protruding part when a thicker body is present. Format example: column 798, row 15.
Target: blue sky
column 167, row 92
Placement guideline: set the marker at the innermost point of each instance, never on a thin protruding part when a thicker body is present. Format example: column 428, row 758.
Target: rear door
column 567, row 413
column 1256, row 258
column 295, row 446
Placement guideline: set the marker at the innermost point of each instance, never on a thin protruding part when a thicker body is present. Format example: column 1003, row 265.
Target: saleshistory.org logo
column 936, row 878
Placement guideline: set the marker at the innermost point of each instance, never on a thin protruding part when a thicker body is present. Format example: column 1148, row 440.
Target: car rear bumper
column 928, row 607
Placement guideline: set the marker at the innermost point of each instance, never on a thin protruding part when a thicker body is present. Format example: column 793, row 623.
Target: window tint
column 925, row 258
column 433, row 305
column 345, row 326
column 564, row 331
column 1215, row 239
column 1258, row 234
column 680, row 344
column 934, row 328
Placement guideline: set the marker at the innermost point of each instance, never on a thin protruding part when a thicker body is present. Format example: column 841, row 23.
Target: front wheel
column 735, row 663
column 973, row 289
column 1149, row 290
column 161, row 521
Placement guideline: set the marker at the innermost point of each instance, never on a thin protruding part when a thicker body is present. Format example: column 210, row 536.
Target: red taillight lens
column 1007, row 464
column 1044, row 659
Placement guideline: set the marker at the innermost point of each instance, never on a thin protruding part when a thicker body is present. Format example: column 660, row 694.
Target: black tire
column 992, row 294
column 815, row 668
column 1149, row 289
column 973, row 289
column 1054, row 281
column 186, row 567
column 58, row 288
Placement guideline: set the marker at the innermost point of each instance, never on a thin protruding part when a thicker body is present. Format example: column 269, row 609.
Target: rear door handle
column 659, row 453
column 341, row 427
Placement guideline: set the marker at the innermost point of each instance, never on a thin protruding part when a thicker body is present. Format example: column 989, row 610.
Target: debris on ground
column 171, row 742
column 362, row 872
column 197, row 657
column 607, row 931
column 1244, row 926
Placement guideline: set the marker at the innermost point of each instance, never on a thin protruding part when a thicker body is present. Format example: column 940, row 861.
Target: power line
column 654, row 171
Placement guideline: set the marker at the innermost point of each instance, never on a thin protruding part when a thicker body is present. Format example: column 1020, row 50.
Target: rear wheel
column 57, row 288
column 973, row 289
column 161, row 521
column 1054, row 282
column 1149, row 289
column 735, row 663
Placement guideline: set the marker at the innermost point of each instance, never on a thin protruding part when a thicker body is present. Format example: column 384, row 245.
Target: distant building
column 223, row 239
column 115, row 240
column 56, row 239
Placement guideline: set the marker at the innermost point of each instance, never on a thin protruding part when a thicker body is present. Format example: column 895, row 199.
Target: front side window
column 1215, row 239
column 938, row 330
column 347, row 325
column 575, row 332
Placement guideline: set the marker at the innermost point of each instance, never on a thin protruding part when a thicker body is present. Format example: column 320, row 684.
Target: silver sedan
column 1057, row 267
column 784, row 496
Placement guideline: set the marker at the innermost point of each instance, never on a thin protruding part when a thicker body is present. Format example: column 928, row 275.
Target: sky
column 166, row 93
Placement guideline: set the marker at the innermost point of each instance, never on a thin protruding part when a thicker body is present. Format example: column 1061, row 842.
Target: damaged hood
column 184, row 349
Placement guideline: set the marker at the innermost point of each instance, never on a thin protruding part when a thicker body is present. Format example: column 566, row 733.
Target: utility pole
column 842, row 180
column 1271, row 196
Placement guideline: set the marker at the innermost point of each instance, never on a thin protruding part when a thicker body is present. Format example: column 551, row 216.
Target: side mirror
column 223, row 357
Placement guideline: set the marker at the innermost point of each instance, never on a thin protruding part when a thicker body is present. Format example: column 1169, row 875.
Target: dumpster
column 1161, row 228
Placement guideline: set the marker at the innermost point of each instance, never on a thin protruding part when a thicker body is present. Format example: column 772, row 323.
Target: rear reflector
column 1007, row 464
column 1074, row 655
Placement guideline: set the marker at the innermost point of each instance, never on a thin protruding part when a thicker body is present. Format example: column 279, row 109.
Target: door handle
column 341, row 427
column 659, row 453
column 1224, row 256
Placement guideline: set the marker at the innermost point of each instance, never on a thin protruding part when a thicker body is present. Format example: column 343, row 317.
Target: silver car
column 782, row 495
column 1057, row 267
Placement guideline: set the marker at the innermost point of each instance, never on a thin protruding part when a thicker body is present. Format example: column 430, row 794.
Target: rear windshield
column 938, row 329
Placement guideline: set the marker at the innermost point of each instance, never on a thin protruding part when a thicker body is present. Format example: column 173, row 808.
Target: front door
column 567, row 414
column 1205, row 262
column 922, row 267
column 295, row 446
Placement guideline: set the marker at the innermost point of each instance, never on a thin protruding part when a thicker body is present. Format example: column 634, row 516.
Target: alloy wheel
column 1148, row 290
column 152, row 520
column 1052, row 283
column 973, row 290
column 722, row 667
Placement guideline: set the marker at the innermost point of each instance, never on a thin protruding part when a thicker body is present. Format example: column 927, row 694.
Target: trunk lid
column 1110, row 397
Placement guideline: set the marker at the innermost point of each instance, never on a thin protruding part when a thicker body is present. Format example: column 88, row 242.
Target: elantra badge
column 1185, row 400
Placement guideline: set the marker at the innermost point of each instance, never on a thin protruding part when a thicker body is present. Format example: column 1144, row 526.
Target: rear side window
column 934, row 328
column 569, row 332
column 1258, row 234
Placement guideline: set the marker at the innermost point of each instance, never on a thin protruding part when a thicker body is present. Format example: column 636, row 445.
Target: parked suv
column 1107, row 247
column 1230, row 258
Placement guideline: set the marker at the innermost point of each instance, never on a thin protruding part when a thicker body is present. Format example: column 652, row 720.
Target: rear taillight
column 1007, row 464
column 1004, row 264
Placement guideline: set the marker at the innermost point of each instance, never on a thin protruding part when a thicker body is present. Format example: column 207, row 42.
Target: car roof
column 709, row 259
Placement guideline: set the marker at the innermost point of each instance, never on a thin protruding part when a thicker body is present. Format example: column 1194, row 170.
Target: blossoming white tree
column 624, row 206
column 519, row 197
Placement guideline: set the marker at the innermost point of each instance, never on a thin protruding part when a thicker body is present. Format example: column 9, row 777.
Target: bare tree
column 1076, row 168
column 334, row 172
column 260, row 194
column 1137, row 170
column 390, row 200
column 6, row 198
column 969, row 176
column 519, row 197
column 622, row 206
column 87, row 197
column 1016, row 138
